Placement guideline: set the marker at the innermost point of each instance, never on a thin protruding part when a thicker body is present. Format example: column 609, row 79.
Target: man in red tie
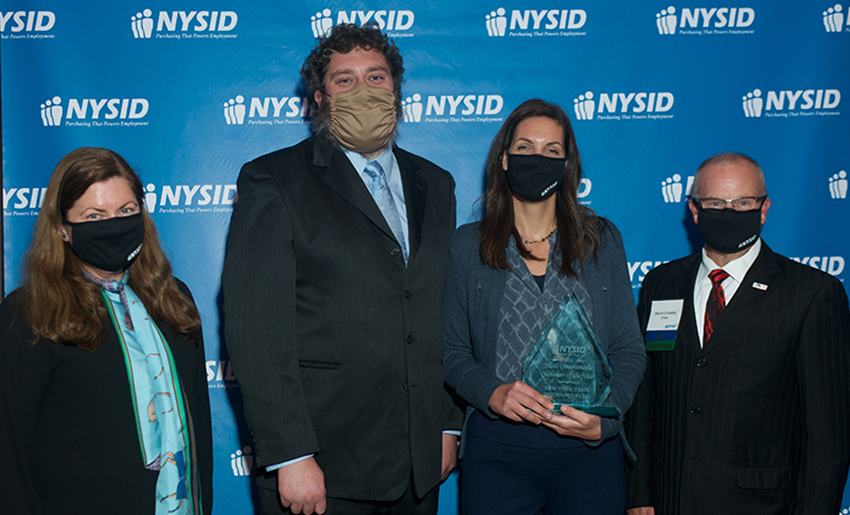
column 748, row 410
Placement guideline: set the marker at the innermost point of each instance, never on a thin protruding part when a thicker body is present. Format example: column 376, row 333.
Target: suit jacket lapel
column 747, row 298
column 337, row 173
column 415, row 193
column 688, row 322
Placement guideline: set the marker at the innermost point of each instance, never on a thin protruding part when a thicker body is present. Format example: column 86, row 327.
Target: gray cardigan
column 471, row 299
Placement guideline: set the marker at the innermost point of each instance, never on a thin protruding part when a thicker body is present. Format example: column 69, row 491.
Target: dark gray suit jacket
column 335, row 344
column 757, row 422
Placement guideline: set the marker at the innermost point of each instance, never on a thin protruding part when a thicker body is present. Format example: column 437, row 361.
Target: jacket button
column 404, row 387
column 407, row 294
column 695, row 410
column 410, row 338
column 395, row 252
column 701, row 362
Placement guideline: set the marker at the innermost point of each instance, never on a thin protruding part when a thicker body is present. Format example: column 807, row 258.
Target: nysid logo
column 452, row 108
column 194, row 198
column 674, row 191
column 26, row 24
column 95, row 112
column 833, row 265
column 241, row 461
column 23, row 201
column 184, row 24
column 535, row 23
column 220, row 374
column 624, row 106
column 266, row 111
column 833, row 19
column 791, row 103
column 639, row 269
column 705, row 21
column 387, row 20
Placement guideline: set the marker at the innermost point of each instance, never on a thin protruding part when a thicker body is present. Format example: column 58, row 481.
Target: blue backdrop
column 187, row 91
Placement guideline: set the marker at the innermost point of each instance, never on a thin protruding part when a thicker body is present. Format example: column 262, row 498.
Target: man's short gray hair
column 727, row 158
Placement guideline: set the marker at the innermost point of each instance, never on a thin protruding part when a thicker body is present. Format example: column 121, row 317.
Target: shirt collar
column 736, row 269
column 385, row 160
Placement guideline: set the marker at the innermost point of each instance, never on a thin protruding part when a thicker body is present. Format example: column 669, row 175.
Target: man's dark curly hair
column 344, row 38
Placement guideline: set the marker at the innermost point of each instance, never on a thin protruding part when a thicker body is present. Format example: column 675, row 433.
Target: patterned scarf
column 163, row 421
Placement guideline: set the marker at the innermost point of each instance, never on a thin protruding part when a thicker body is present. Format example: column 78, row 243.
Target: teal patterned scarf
column 163, row 421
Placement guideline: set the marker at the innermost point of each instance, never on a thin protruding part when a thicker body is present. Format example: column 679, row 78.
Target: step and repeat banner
column 189, row 90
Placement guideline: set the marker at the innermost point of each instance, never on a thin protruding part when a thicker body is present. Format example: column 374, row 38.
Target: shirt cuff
column 271, row 468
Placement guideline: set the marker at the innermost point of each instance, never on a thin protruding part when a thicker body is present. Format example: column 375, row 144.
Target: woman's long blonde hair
column 63, row 305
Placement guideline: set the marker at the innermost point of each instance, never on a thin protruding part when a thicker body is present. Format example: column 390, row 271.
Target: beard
column 320, row 125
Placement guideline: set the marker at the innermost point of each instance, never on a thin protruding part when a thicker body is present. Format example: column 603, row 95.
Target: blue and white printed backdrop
column 188, row 90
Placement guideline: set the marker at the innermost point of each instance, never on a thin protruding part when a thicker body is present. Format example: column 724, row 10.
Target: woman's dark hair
column 578, row 233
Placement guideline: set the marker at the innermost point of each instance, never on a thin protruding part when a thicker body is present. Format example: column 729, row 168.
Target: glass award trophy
column 569, row 365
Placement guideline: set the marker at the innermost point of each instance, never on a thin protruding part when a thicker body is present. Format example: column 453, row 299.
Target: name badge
column 663, row 323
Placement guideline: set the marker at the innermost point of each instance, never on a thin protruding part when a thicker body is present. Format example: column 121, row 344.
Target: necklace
column 540, row 240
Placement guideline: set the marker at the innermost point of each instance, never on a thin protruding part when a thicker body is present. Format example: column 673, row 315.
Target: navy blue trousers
column 499, row 478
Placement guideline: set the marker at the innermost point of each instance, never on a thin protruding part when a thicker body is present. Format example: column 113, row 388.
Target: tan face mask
column 363, row 118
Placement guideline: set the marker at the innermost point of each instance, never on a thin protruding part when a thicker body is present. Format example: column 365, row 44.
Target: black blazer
column 335, row 344
column 758, row 422
column 68, row 437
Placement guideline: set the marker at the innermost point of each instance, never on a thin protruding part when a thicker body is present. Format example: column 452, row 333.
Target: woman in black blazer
column 103, row 395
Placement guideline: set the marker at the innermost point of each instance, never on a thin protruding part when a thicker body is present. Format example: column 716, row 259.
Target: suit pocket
column 764, row 478
column 319, row 365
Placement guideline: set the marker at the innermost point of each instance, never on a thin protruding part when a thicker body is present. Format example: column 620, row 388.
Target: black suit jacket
column 335, row 343
column 757, row 422
column 68, row 436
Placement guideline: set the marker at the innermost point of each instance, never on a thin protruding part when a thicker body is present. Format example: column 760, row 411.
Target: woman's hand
column 519, row 402
column 575, row 423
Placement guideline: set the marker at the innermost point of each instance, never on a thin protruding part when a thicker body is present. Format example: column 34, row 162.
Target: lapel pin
column 760, row 286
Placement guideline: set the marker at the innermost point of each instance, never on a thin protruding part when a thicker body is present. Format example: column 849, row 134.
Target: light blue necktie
column 384, row 198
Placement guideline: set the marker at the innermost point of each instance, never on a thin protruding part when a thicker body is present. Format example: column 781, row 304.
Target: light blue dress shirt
column 392, row 174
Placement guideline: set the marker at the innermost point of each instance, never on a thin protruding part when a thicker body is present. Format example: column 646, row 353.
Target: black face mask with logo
column 729, row 231
column 110, row 245
column 533, row 177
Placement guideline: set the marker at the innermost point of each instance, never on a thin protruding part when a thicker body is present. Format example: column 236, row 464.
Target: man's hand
column 643, row 510
column 301, row 487
column 449, row 455
column 519, row 402
column 573, row 422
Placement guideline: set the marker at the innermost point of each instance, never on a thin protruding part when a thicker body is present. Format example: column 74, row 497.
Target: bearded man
column 332, row 299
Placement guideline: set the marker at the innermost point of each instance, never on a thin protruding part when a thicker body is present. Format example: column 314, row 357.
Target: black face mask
column 533, row 177
column 110, row 245
column 729, row 231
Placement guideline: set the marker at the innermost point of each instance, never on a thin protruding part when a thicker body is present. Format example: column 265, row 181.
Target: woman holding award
column 538, row 268
column 103, row 392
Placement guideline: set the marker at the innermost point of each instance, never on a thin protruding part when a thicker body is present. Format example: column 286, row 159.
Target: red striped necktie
column 716, row 302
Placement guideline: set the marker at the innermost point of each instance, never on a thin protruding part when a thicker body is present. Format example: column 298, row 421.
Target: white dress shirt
column 736, row 269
